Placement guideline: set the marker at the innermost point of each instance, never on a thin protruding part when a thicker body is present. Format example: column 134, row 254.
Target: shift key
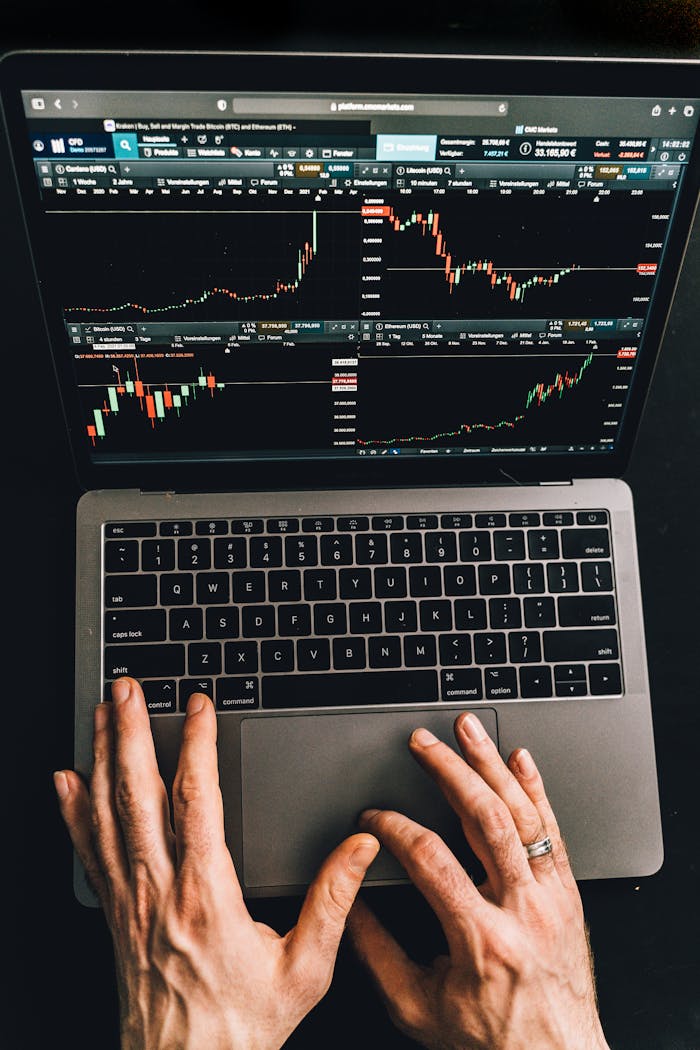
column 569, row 646
column 144, row 661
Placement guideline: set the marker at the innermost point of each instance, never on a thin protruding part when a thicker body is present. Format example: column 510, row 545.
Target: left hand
column 194, row 970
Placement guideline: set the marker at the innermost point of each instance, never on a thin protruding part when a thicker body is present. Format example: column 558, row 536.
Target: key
column 139, row 625
column 345, row 688
column 585, row 543
column 194, row 554
column 145, row 661
column 235, row 693
column 185, row 624
column 605, row 679
column 462, row 684
column 535, row 682
column 455, row 649
column 330, row 618
column 204, row 658
column 158, row 555
column 313, row 654
column 160, row 695
column 277, row 656
column 349, row 653
column 130, row 591
column 121, row 556
column 572, row 645
column 490, row 648
column 419, row 650
column 509, row 546
column 596, row 576
column 500, row 683
column 240, row 657
column 187, row 686
column 586, row 611
column 371, row 550
column 406, row 547
column 385, row 652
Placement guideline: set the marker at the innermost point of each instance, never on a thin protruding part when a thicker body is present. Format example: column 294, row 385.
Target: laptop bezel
column 329, row 71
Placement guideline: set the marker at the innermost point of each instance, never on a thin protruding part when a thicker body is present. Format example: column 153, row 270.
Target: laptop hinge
column 568, row 482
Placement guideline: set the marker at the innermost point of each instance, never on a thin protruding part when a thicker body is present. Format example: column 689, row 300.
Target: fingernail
column 424, row 737
column 121, row 690
column 60, row 781
column 472, row 728
column 367, row 814
column 526, row 763
column 362, row 856
column 195, row 703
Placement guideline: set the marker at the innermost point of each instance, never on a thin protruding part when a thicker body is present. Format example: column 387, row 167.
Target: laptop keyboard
column 333, row 611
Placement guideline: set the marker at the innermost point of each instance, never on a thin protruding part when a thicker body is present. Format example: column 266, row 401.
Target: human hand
column 193, row 968
column 519, row 973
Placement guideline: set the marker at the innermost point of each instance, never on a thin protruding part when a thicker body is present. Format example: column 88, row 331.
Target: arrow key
column 605, row 679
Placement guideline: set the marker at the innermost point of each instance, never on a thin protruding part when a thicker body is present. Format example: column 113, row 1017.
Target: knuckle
column 134, row 817
column 187, row 788
column 338, row 899
column 493, row 815
column 427, row 848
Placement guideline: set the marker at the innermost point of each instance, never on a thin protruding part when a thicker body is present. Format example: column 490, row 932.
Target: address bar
column 448, row 107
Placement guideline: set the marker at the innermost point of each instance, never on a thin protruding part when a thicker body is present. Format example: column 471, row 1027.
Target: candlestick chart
column 284, row 264
column 159, row 404
column 515, row 257
column 487, row 402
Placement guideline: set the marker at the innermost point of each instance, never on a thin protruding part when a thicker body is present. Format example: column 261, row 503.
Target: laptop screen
column 287, row 275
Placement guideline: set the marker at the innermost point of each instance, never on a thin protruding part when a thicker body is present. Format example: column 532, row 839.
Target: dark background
column 645, row 933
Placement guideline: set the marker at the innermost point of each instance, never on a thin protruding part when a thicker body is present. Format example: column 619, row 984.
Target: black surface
column 645, row 933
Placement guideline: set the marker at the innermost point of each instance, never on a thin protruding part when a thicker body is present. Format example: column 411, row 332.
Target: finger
column 525, row 770
column 483, row 756
column 398, row 979
column 74, row 804
column 106, row 832
column 314, row 942
column 140, row 795
column 434, row 870
column 486, row 820
column 198, row 811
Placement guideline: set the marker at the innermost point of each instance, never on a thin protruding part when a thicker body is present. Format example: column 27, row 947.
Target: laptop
column 352, row 351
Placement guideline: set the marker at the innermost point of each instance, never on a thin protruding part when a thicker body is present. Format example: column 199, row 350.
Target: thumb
column 314, row 942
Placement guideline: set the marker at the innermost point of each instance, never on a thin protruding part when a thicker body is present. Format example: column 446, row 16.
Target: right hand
column 519, row 972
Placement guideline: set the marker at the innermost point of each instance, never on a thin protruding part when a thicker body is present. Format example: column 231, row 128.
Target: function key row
column 356, row 523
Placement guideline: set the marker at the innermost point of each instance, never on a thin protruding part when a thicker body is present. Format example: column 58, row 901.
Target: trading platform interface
column 256, row 276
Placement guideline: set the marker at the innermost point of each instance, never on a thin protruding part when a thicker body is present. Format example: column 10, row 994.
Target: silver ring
column 539, row 848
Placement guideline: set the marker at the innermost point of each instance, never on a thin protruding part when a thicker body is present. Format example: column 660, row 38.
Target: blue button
column 637, row 171
column 406, row 147
column 125, row 145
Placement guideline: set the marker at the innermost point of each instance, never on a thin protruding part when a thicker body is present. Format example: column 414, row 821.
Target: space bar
column 345, row 688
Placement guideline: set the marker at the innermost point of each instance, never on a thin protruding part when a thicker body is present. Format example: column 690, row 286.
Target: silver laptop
column 353, row 351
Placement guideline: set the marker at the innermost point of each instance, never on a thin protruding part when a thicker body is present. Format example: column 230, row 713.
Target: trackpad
column 305, row 779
